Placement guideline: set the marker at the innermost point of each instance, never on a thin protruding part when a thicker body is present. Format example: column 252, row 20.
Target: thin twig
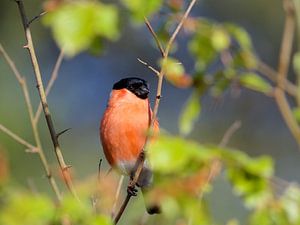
column 216, row 164
column 39, row 149
column 121, row 210
column 159, row 45
column 37, row 17
column 272, row 74
column 148, row 66
column 229, row 132
column 284, row 61
column 99, row 170
column 50, row 83
column 117, row 196
column 141, row 158
column 17, row 138
column 11, row 64
column 30, row 47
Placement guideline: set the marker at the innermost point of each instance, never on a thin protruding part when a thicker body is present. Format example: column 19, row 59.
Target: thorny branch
column 141, row 158
column 37, row 17
column 30, row 47
column 50, row 83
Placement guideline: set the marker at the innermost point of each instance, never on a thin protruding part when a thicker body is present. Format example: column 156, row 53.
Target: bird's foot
column 131, row 190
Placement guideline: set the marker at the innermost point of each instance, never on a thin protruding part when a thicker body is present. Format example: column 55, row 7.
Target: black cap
column 136, row 85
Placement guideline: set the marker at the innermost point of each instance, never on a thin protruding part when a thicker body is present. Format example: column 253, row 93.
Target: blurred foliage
column 175, row 73
column 141, row 9
column 191, row 112
column 79, row 24
column 183, row 169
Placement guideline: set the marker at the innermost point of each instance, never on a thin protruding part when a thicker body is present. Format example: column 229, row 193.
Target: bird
column 123, row 130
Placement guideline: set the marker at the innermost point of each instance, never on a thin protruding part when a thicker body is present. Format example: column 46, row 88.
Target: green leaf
column 170, row 154
column 202, row 48
column 296, row 113
column 106, row 20
column 291, row 204
column 296, row 63
column 189, row 114
column 255, row 82
column 75, row 25
column 241, row 35
column 100, row 220
column 141, row 9
column 269, row 215
column 80, row 212
column 27, row 209
column 220, row 39
column 249, row 177
column 172, row 68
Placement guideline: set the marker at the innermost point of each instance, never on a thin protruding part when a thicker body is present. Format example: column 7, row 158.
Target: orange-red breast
column 124, row 126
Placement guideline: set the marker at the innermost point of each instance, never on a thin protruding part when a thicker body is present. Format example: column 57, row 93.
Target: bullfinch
column 123, row 130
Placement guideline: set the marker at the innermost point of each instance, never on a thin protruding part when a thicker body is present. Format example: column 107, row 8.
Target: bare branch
column 175, row 33
column 159, row 45
column 148, row 66
column 230, row 131
column 99, row 170
column 117, row 196
column 39, row 149
column 53, row 78
column 284, row 61
column 272, row 74
column 121, row 210
column 17, row 138
column 30, row 47
column 11, row 64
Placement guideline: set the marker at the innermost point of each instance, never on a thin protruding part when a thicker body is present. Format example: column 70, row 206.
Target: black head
column 137, row 86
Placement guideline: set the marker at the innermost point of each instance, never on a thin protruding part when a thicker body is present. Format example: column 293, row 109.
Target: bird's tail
column 152, row 207
column 145, row 182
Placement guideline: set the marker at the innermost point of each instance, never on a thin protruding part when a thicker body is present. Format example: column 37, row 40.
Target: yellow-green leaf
column 296, row 63
column 190, row 114
column 141, row 8
column 170, row 154
column 75, row 25
column 255, row 82
column 172, row 67
column 220, row 39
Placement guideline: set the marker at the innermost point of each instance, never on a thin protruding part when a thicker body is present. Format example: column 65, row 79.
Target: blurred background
column 80, row 93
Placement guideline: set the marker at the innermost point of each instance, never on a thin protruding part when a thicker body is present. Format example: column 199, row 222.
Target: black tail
column 151, row 206
column 153, row 209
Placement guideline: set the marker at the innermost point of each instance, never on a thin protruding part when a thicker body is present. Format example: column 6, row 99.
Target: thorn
column 158, row 96
column 67, row 167
column 26, row 46
column 60, row 133
column 36, row 17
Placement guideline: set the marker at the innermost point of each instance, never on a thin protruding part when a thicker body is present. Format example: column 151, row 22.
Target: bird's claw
column 131, row 190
